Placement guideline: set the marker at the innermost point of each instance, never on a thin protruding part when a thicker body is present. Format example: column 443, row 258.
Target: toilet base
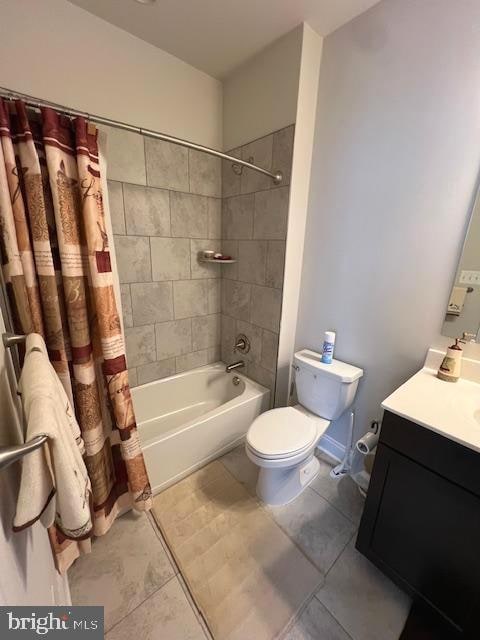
column 279, row 486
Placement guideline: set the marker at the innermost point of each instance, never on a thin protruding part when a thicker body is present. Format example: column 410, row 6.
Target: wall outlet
column 470, row 277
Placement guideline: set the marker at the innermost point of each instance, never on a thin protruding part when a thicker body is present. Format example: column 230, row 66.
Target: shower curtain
column 57, row 271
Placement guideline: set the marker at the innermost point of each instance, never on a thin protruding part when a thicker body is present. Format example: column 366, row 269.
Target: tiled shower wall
column 254, row 230
column 165, row 203
column 166, row 206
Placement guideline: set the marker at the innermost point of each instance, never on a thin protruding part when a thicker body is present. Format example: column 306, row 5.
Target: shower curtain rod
column 276, row 176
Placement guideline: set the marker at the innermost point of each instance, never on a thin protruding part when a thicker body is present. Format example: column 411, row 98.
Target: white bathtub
column 191, row 418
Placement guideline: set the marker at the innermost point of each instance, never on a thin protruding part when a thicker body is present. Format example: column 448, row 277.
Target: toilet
column 282, row 441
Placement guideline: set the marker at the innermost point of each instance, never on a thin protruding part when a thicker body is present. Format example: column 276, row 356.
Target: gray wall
column 397, row 152
column 165, row 204
column 254, row 227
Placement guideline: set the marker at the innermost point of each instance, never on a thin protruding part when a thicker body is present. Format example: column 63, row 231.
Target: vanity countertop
column 452, row 409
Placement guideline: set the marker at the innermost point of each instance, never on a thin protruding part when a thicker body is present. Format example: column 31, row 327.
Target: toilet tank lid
column 313, row 361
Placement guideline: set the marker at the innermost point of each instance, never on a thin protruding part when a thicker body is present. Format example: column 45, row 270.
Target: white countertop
column 452, row 409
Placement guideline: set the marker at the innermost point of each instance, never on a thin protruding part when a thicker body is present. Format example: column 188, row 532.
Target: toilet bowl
column 282, row 441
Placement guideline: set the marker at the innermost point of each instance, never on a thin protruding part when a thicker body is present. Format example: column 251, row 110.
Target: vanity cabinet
column 421, row 522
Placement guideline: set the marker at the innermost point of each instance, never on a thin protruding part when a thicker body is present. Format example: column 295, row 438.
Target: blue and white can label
column 327, row 352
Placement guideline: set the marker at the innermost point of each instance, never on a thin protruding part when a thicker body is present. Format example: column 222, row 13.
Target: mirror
column 463, row 307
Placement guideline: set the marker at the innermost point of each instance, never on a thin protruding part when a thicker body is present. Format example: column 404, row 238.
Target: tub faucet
column 234, row 365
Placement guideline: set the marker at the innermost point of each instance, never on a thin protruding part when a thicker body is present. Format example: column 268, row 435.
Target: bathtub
column 186, row 420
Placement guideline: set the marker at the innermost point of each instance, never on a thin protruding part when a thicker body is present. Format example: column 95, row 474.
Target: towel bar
column 11, row 339
column 9, row 455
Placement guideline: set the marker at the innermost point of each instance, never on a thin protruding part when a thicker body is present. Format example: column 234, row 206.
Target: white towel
column 55, row 486
column 457, row 300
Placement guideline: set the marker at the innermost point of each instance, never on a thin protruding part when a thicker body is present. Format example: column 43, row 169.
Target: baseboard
column 332, row 447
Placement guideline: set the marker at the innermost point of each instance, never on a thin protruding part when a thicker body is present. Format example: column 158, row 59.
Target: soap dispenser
column 451, row 365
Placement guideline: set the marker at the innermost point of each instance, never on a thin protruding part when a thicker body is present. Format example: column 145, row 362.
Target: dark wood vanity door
column 423, row 531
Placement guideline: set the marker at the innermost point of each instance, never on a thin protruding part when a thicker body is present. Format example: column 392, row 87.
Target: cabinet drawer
column 451, row 460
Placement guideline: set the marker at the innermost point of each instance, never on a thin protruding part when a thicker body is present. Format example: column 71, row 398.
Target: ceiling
column 219, row 35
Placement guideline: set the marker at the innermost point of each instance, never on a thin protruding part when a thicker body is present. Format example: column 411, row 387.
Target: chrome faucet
column 234, row 365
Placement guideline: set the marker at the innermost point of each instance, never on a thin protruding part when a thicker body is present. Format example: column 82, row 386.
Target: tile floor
column 132, row 573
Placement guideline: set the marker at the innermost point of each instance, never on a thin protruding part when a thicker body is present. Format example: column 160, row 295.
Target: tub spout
column 234, row 365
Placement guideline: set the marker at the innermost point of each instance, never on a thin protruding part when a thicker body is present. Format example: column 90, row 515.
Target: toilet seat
column 282, row 433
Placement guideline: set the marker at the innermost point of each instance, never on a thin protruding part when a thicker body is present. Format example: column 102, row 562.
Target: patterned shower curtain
column 57, row 272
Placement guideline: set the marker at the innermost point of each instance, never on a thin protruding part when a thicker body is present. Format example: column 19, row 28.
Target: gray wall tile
column 191, row 360
column 236, row 299
column 170, row 258
column 132, row 378
column 266, row 306
column 214, row 354
column 133, row 258
column 205, row 173
column 254, row 334
column 283, row 152
column 190, row 298
column 125, row 156
column 271, row 214
column 275, row 264
column 269, row 350
column 151, row 302
column 231, row 181
column 206, row 331
column 140, row 345
column 214, row 295
column 115, row 200
column 201, row 269
column 259, row 248
column 173, row 338
column 252, row 259
column 214, row 218
column 126, row 305
column 228, row 334
column 261, row 153
column 237, row 217
column 156, row 370
column 167, row 165
column 147, row 211
column 170, row 292
column 262, row 376
column 189, row 215
column 230, row 248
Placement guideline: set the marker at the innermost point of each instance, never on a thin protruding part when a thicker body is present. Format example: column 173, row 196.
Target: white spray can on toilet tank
column 328, row 346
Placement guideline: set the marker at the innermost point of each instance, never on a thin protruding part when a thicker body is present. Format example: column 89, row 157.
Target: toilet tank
column 325, row 389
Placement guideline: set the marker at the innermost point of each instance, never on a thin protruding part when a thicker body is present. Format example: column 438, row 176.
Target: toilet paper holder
column 367, row 443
